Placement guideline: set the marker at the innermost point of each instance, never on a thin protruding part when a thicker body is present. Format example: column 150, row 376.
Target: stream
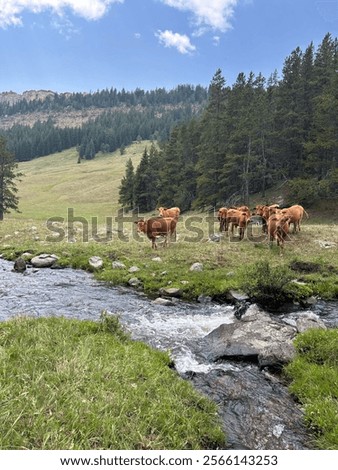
column 255, row 407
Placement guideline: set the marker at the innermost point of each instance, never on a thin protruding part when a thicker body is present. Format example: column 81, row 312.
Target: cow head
column 141, row 225
column 162, row 210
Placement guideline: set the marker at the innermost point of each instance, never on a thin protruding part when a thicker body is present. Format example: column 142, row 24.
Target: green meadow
column 80, row 201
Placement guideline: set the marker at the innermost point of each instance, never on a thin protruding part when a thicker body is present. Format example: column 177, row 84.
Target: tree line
column 108, row 132
column 253, row 135
column 109, row 98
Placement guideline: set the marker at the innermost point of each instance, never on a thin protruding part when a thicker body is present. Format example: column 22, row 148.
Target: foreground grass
column 314, row 375
column 69, row 384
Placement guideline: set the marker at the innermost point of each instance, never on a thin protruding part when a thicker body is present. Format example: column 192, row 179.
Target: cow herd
column 275, row 222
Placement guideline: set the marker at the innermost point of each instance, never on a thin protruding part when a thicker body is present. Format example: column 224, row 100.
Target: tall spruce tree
column 8, row 174
column 212, row 147
column 322, row 145
column 289, row 117
column 246, row 119
column 178, row 175
column 126, row 190
column 154, row 164
column 145, row 183
column 170, row 171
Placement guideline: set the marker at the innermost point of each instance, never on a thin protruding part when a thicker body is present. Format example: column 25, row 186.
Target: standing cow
column 296, row 214
column 157, row 227
column 237, row 219
column 278, row 229
column 173, row 212
column 222, row 218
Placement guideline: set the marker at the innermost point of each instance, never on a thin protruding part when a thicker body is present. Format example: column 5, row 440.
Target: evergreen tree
column 154, row 164
column 8, row 173
column 170, row 171
column 289, row 117
column 143, row 185
column 126, row 191
column 212, row 145
column 322, row 144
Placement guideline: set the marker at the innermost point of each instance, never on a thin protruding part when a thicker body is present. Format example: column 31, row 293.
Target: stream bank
column 256, row 409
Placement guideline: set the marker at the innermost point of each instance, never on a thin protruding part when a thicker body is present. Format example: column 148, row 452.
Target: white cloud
column 216, row 40
column 180, row 41
column 10, row 10
column 64, row 27
column 215, row 14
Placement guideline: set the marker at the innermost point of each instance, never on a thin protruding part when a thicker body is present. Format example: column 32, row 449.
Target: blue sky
column 89, row 45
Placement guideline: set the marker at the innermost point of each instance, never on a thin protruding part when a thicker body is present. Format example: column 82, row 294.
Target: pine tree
column 153, row 172
column 212, row 146
column 245, row 120
column 170, row 171
column 126, row 192
column 143, row 185
column 322, row 145
column 289, row 117
column 8, row 173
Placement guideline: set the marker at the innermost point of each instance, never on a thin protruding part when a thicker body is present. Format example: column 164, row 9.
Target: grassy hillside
column 55, row 183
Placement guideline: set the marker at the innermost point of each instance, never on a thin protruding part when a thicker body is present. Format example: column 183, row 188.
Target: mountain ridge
column 70, row 109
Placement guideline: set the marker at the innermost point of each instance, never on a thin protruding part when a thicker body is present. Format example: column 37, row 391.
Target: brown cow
column 222, row 217
column 278, row 229
column 265, row 212
column 173, row 212
column 296, row 214
column 156, row 227
column 244, row 209
column 237, row 219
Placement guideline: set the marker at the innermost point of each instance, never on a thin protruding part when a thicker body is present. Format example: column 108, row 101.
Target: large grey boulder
column 256, row 336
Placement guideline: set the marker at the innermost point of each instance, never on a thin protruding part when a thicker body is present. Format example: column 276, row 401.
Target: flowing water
column 256, row 409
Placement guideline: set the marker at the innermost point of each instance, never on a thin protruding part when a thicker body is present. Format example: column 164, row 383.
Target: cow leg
column 153, row 243
column 281, row 247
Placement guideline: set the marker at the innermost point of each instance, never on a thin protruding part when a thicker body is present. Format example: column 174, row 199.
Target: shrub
column 267, row 285
column 307, row 191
